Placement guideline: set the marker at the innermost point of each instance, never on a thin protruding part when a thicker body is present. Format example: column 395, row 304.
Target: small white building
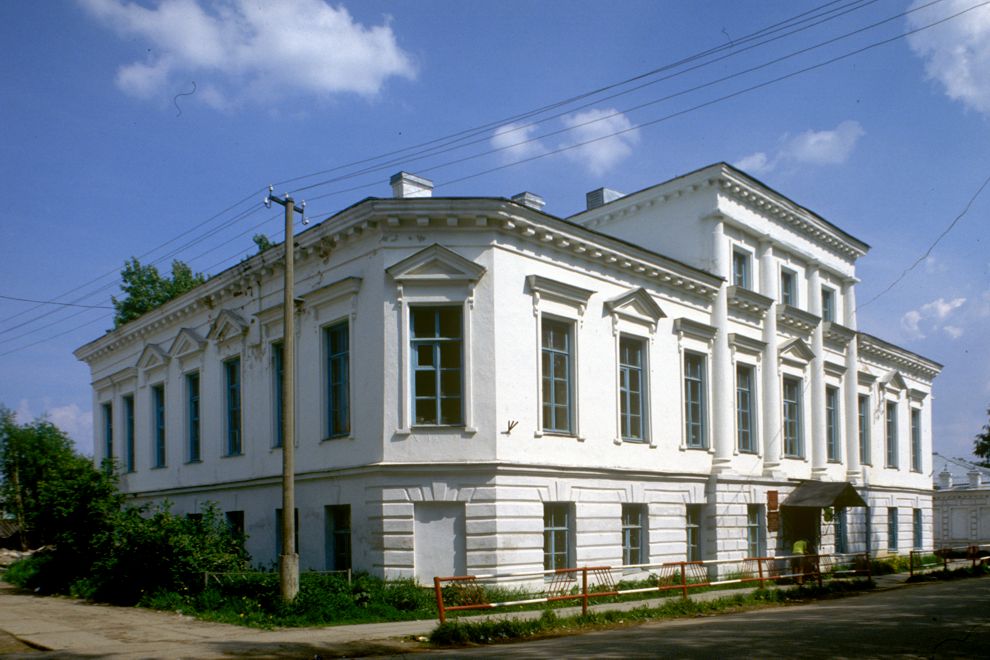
column 482, row 386
column 961, row 502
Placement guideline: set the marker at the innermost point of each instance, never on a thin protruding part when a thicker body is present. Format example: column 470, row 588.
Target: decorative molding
column 152, row 357
column 227, row 326
column 796, row 351
column 893, row 380
column 685, row 327
column 637, row 306
column 917, row 395
column 187, row 342
column 895, row 356
column 748, row 301
column 116, row 378
column 746, row 344
column 838, row 334
column 435, row 264
column 835, row 369
column 544, row 287
column 797, row 319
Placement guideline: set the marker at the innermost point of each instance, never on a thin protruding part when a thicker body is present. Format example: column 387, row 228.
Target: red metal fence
column 926, row 560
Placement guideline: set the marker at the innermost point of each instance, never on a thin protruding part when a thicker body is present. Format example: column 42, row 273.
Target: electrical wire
column 51, row 302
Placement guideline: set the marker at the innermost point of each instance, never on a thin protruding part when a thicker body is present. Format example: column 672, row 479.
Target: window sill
column 693, row 448
column 232, row 455
column 158, row 467
column 559, row 434
column 335, row 438
column 795, row 457
column 194, row 461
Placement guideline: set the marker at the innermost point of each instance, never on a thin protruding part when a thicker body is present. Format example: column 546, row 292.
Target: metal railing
column 941, row 558
column 586, row 583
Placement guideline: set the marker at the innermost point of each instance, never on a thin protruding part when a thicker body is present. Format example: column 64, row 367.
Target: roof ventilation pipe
column 601, row 197
column 529, row 200
column 406, row 185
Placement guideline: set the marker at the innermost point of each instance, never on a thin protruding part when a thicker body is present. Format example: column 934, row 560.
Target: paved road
column 933, row 620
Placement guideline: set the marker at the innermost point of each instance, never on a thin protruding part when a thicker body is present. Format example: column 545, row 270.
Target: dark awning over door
column 821, row 494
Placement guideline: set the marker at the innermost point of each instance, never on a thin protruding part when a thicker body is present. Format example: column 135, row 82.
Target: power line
column 52, row 302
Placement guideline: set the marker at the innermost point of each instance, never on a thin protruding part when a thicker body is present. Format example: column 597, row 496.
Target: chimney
column 974, row 478
column 530, row 200
column 601, row 197
column 405, row 185
column 944, row 480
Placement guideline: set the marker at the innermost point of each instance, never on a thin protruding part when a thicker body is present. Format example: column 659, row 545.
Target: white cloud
column 956, row 53
column 953, row 331
column 828, row 147
column 516, row 142
column 75, row 422
column 598, row 127
column 235, row 46
column 918, row 323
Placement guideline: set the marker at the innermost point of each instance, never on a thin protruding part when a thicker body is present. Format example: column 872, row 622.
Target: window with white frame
column 632, row 388
column 693, row 525
column 891, row 434
column 436, row 344
column 756, row 540
column 336, row 340
column 193, row 427
column 915, row 440
column 558, row 374
column 633, row 536
column 695, row 401
column 788, row 287
column 158, row 425
column 792, row 400
column 892, row 528
column 832, row 442
column 917, row 525
column 232, row 391
column 742, row 269
column 129, row 458
column 828, row 304
column 864, row 429
column 557, row 533
column 745, row 399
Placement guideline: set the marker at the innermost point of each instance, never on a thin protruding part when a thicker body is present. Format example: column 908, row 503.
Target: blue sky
column 129, row 128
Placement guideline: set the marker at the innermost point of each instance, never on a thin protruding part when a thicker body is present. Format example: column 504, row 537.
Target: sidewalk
column 68, row 628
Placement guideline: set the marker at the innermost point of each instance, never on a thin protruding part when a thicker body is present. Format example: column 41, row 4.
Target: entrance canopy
column 821, row 494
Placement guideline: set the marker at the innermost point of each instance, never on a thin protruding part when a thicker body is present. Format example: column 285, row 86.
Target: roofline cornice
column 891, row 354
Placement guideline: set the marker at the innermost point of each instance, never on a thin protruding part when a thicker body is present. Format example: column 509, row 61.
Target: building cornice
column 797, row 319
column 748, row 301
column 895, row 356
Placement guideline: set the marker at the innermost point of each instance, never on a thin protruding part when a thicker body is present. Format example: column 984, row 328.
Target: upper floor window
column 631, row 388
column 437, row 356
column 916, row 440
column 742, row 269
column 107, row 409
column 788, row 287
column 278, row 388
column 695, row 401
column 864, row 429
column 336, row 340
column 557, row 387
column 793, row 418
column 745, row 390
column 232, row 389
column 828, row 304
column 832, row 423
column 192, row 412
column 158, row 419
column 891, row 423
column 129, row 463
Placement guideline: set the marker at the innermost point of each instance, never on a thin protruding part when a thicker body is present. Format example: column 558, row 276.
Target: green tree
column 263, row 242
column 144, row 288
column 981, row 445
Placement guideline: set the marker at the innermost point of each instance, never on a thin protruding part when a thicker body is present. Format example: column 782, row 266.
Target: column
column 819, row 456
column 850, row 384
column 722, row 376
column 769, row 286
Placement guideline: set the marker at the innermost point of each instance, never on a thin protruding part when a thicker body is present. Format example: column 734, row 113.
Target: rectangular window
column 338, row 537
column 916, row 440
column 235, row 520
column 788, row 291
column 892, row 528
column 631, row 388
column 841, row 531
column 633, row 539
column 558, row 395
column 192, row 416
column 864, row 429
column 756, row 541
column 695, row 401
column 918, row 530
column 278, row 532
column 158, row 419
column 693, row 524
column 832, row 443
column 336, row 340
column 745, row 390
column 741, row 275
column 793, row 418
column 107, row 431
column 437, row 350
column 557, row 536
column 828, row 304
column 232, row 387
column 891, row 434
column 129, row 433
column 278, row 388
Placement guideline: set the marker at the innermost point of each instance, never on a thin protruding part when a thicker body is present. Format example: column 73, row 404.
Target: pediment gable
column 893, row 380
column 152, row 356
column 636, row 305
column 227, row 325
column 186, row 342
column 796, row 350
column 436, row 264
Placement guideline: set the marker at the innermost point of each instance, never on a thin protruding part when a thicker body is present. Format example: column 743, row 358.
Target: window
column 916, row 440
column 793, row 419
column 192, row 411
column 278, row 532
column 891, row 434
column 828, row 304
column 107, row 431
column 633, row 539
column 235, row 520
column 557, row 366
column 741, row 275
column 437, row 341
column 232, row 386
column 631, row 388
column 841, row 531
column 158, row 419
column 338, row 537
column 832, row 423
column 557, row 536
column 693, row 525
column 892, row 528
column 278, row 388
column 336, row 341
column 788, row 292
column 129, row 433
column 695, row 404
column 756, row 542
column 864, row 429
column 918, row 530
column 745, row 384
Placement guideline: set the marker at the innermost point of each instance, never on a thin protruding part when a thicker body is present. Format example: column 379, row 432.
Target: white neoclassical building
column 482, row 386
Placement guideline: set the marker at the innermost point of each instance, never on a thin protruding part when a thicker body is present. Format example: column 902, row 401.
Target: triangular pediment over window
column 436, row 264
column 227, row 326
column 186, row 342
column 796, row 350
column 152, row 356
column 636, row 305
column 893, row 381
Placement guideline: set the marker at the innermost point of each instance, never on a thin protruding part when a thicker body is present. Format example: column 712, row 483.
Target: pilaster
column 769, row 286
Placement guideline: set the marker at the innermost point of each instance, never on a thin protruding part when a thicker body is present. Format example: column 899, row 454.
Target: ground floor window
column 338, row 537
column 892, row 528
column 693, row 525
column 756, row 540
column 919, row 538
column 557, row 532
column 235, row 520
column 841, row 531
column 633, row 538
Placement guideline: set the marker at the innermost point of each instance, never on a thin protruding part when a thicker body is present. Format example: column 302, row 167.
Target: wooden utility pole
column 288, row 561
